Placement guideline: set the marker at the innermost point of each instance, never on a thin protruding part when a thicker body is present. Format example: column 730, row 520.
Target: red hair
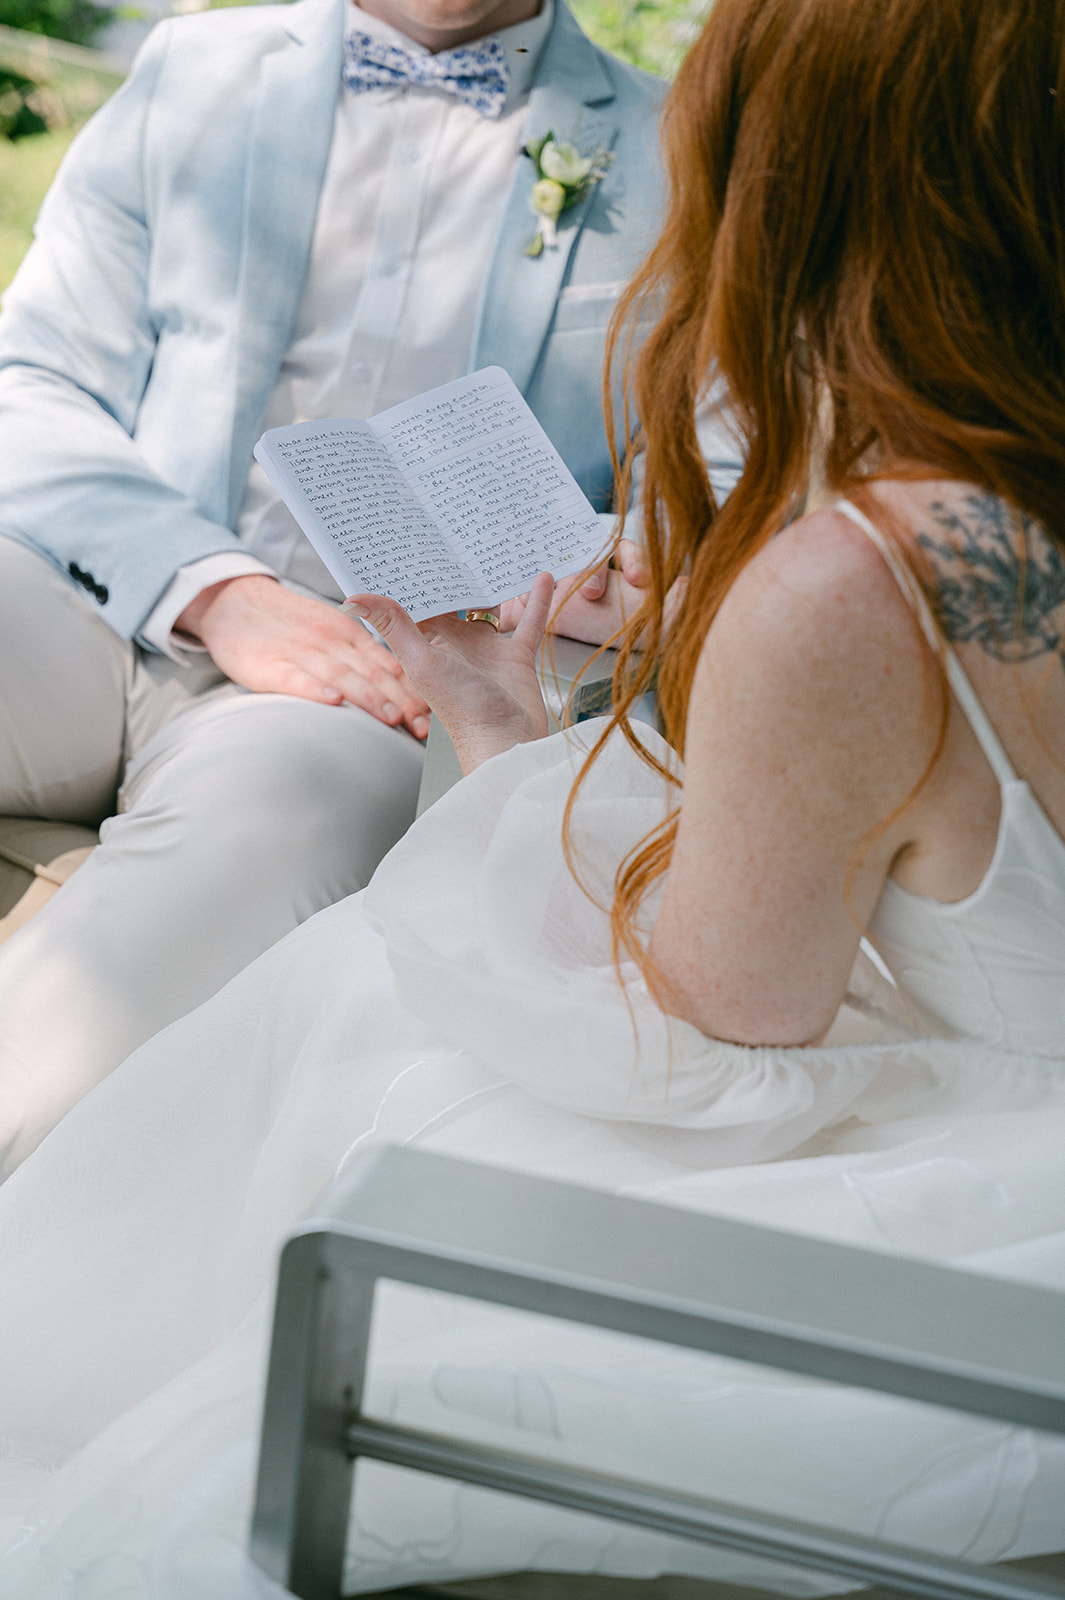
column 865, row 243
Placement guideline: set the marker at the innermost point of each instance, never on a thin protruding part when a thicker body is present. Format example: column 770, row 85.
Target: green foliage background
column 77, row 21
column 653, row 34
column 71, row 83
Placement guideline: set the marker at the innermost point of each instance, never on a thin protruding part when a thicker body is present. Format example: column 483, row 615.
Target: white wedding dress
column 466, row 1003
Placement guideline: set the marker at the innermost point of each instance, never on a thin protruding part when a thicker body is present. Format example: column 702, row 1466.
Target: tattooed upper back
column 999, row 580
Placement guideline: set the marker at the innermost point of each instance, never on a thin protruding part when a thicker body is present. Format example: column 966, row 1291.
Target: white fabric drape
column 466, row 1003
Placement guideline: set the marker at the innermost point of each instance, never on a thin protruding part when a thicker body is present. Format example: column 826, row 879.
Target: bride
column 591, row 961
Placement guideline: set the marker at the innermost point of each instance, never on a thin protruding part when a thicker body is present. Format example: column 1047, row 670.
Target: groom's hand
column 266, row 638
column 599, row 609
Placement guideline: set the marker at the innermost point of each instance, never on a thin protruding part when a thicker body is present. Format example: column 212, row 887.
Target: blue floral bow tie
column 475, row 73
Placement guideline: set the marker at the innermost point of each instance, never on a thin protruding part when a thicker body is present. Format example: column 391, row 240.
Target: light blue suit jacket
column 142, row 337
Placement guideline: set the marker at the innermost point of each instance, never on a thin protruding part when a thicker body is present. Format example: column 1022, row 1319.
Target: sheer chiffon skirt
column 467, row 1003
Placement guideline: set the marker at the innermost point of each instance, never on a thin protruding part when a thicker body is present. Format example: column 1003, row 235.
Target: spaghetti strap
column 965, row 694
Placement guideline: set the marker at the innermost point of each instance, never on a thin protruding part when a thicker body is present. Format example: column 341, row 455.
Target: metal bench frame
column 830, row 1311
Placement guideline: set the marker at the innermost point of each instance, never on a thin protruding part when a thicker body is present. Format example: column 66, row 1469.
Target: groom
column 286, row 212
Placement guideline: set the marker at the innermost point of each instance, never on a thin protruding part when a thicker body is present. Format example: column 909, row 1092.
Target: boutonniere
column 562, row 179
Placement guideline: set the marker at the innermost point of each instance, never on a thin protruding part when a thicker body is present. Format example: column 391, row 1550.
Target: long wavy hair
column 865, row 247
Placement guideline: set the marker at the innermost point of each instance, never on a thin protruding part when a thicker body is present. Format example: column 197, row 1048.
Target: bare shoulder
column 809, row 723
column 820, row 600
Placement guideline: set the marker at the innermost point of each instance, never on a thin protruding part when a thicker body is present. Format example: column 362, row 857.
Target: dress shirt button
column 361, row 371
column 388, row 269
column 411, row 153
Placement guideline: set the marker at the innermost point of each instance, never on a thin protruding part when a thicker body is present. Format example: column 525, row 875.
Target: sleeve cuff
column 158, row 633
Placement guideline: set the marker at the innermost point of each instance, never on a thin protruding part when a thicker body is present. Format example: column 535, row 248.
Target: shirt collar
column 522, row 44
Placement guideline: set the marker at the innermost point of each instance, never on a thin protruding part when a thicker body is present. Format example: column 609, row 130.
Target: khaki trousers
column 226, row 818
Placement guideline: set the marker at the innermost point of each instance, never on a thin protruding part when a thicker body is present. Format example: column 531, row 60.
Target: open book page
column 457, row 498
column 498, row 490
column 373, row 534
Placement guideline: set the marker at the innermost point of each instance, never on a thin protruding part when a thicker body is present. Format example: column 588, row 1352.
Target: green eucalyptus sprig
column 563, row 177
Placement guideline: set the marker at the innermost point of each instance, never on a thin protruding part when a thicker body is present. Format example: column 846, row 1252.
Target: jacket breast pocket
column 586, row 305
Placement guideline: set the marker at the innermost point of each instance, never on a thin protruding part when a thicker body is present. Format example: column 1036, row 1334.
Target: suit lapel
column 288, row 145
column 571, row 99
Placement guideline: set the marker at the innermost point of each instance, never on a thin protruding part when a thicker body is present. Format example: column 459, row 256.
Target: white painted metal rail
column 830, row 1311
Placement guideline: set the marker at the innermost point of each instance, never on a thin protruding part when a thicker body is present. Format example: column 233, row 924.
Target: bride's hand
column 482, row 685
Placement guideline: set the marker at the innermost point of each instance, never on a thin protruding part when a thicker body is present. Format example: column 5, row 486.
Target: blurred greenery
column 26, row 170
column 69, row 83
column 77, row 21
column 18, row 116
column 653, row 34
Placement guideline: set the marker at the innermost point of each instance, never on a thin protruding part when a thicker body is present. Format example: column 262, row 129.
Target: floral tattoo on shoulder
column 999, row 578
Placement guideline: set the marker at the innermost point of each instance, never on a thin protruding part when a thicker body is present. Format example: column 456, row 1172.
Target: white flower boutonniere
column 562, row 179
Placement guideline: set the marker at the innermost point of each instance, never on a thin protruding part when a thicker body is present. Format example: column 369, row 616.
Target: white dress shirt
column 412, row 200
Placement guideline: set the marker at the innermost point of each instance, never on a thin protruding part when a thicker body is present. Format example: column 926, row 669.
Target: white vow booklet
column 457, row 498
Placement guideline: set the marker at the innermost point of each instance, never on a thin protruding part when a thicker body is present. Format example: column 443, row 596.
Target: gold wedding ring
column 483, row 616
